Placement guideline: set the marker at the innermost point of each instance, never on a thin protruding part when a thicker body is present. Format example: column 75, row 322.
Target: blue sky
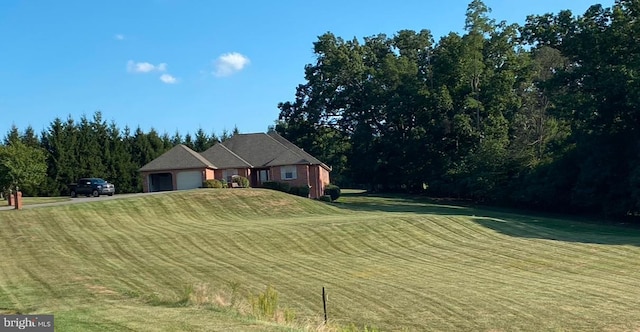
column 183, row 65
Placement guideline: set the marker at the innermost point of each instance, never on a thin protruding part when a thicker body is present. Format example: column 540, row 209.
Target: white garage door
column 189, row 180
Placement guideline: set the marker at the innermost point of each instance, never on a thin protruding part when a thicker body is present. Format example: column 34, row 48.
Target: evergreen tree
column 201, row 142
column 12, row 136
column 176, row 138
column 29, row 138
column 188, row 141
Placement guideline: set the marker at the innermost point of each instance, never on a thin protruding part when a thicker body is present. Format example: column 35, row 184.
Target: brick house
column 260, row 157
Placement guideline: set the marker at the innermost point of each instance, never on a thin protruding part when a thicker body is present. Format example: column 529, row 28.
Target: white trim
column 288, row 172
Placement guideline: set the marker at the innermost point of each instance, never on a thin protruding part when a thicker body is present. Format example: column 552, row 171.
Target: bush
column 333, row 191
column 302, row 191
column 265, row 304
column 270, row 185
column 294, row 190
column 241, row 181
column 325, row 198
column 212, row 184
column 279, row 186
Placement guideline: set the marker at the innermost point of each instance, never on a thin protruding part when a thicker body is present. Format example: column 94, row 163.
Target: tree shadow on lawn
column 561, row 230
column 514, row 223
column 404, row 205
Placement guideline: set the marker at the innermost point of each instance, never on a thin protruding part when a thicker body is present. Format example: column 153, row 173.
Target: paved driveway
column 78, row 200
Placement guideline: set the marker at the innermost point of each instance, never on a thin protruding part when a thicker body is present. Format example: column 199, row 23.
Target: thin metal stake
column 324, row 304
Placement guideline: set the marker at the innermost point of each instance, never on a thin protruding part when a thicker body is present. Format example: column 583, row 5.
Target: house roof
column 239, row 151
column 312, row 160
column 264, row 150
column 222, row 157
column 179, row 157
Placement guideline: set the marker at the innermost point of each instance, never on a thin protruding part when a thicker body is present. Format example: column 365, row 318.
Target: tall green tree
column 70, row 160
column 188, row 141
column 223, row 137
column 202, row 141
column 405, row 113
column 176, row 138
column 29, row 138
column 90, row 154
column 597, row 93
column 57, row 153
column 12, row 136
column 121, row 170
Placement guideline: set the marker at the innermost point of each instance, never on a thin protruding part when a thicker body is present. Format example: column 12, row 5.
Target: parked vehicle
column 91, row 187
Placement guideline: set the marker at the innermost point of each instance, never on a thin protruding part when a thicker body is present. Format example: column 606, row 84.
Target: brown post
column 10, row 199
column 18, row 200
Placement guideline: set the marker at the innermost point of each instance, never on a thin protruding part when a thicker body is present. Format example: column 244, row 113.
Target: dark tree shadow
column 516, row 223
column 561, row 230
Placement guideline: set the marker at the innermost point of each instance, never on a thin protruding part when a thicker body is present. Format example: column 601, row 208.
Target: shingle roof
column 222, row 157
column 295, row 148
column 240, row 151
column 179, row 157
column 263, row 150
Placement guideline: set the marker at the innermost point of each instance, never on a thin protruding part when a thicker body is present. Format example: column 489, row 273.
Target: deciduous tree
column 21, row 167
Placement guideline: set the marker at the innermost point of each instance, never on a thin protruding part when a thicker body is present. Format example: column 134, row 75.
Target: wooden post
column 18, row 200
column 324, row 304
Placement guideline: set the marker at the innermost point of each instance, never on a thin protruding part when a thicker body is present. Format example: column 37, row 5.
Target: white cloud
column 166, row 78
column 144, row 67
column 229, row 63
column 119, row 37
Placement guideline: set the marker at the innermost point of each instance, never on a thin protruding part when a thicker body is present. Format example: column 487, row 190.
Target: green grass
column 42, row 200
column 387, row 262
column 37, row 200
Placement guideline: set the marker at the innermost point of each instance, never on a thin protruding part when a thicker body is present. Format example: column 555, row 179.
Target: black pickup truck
column 91, row 187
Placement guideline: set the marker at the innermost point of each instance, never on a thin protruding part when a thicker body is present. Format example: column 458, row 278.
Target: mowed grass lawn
column 37, row 200
column 43, row 200
column 390, row 263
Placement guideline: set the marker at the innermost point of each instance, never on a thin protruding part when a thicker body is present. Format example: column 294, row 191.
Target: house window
column 228, row 174
column 288, row 173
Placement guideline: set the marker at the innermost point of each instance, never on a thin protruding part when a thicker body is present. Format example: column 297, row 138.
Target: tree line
column 545, row 115
column 89, row 147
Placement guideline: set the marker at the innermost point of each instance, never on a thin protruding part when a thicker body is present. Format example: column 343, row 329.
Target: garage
column 160, row 182
column 189, row 180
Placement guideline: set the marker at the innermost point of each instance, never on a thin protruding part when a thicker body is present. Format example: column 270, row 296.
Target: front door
column 263, row 176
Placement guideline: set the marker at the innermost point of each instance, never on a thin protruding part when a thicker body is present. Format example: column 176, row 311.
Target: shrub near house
column 333, row 191
column 241, row 181
column 215, row 183
column 302, row 191
column 280, row 186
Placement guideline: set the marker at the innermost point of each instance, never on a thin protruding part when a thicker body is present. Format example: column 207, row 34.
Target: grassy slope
column 36, row 200
column 42, row 200
column 386, row 262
